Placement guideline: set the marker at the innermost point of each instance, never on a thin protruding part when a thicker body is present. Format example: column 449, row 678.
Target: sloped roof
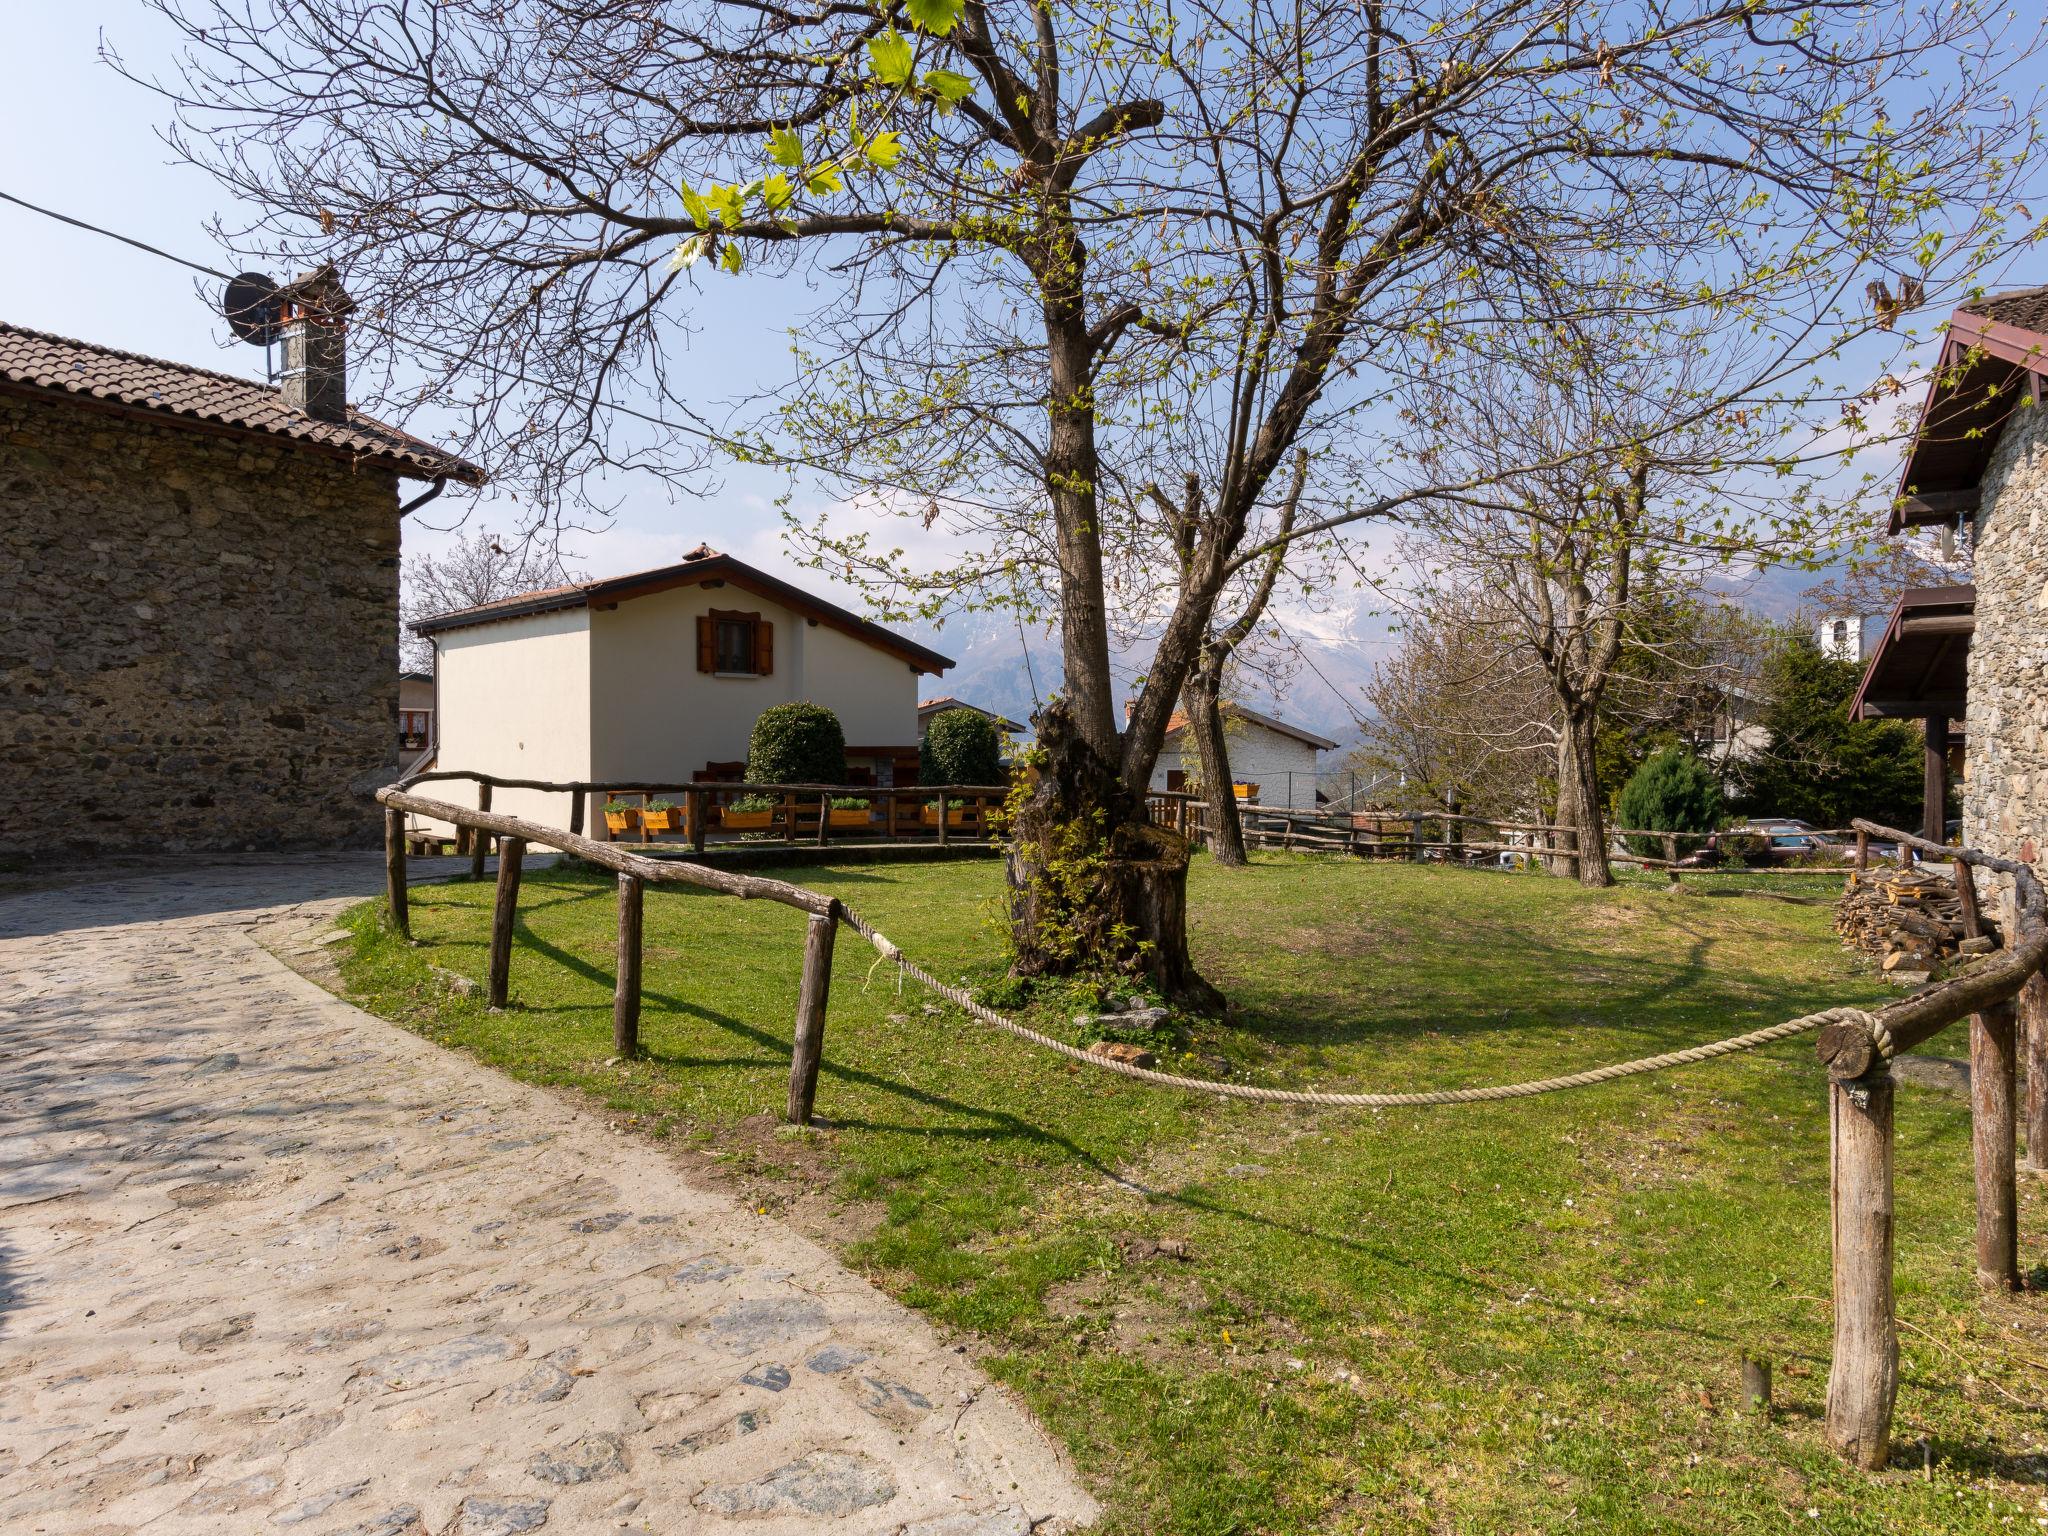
column 1919, row 667
column 35, row 361
column 1178, row 721
column 1995, row 354
column 702, row 564
column 947, row 701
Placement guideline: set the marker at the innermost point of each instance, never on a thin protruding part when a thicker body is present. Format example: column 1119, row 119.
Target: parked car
column 1766, row 842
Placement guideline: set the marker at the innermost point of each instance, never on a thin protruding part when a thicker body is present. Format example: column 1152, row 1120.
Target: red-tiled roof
column 2026, row 308
column 700, row 565
column 37, row 361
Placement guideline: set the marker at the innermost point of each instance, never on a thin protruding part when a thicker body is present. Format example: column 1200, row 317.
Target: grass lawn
column 1514, row 1318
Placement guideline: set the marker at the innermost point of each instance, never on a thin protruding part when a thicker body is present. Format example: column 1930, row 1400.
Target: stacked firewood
column 1911, row 919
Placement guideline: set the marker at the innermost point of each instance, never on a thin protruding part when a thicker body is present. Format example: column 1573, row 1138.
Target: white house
column 1278, row 757
column 659, row 676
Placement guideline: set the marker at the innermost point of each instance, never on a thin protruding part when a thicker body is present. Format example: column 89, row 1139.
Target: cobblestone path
column 268, row 1264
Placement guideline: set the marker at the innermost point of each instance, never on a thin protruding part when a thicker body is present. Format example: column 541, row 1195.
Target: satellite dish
column 254, row 309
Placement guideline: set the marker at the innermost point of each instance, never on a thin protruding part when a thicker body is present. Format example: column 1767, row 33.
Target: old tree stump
column 1095, row 886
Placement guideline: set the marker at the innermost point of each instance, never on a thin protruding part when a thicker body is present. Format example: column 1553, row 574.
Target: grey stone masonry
column 198, row 636
column 2005, row 801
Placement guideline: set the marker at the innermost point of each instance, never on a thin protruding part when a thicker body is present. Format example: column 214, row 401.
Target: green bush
column 1672, row 791
column 849, row 803
column 960, row 746
column 747, row 805
column 797, row 744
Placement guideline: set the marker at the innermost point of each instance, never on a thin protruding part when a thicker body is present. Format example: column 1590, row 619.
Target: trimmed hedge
column 797, row 744
column 960, row 746
column 1672, row 791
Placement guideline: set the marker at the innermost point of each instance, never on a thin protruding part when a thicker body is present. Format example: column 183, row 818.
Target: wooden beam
column 1939, row 506
column 1993, row 1076
column 808, row 1048
column 626, row 989
column 1863, row 1381
column 2034, row 1024
column 1939, row 624
column 479, row 840
column 511, row 851
column 1913, row 709
column 1934, row 780
column 394, row 872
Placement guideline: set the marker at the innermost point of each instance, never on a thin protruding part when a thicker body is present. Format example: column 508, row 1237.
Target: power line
column 140, row 245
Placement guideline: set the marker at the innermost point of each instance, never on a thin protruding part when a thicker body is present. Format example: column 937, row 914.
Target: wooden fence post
column 809, row 1047
column 394, row 871
column 1993, row 1064
column 479, row 840
column 788, row 817
column 1864, row 1379
column 626, row 993
column 576, row 811
column 824, row 817
column 2033, row 1021
column 1862, row 850
column 945, row 816
column 511, row 851
column 698, row 811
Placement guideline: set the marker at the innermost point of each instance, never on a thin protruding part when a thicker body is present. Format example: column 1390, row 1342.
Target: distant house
column 1007, row 731
column 415, row 720
column 1279, row 758
column 658, row 677
column 200, row 580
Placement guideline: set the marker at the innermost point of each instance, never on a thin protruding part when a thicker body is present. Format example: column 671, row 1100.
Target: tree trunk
column 1205, row 720
column 1095, row 887
column 1578, row 804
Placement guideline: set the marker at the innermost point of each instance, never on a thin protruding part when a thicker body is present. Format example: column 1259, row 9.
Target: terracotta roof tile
column 36, row 360
column 2026, row 308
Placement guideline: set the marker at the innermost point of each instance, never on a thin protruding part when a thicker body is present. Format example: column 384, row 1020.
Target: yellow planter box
column 747, row 821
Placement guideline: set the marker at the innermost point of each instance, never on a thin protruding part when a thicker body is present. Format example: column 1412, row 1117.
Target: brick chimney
column 315, row 377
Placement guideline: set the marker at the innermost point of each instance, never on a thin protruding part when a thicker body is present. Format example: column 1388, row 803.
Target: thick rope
column 1728, row 1047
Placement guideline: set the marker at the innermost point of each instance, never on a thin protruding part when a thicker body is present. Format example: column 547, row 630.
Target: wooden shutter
column 707, row 644
column 764, row 647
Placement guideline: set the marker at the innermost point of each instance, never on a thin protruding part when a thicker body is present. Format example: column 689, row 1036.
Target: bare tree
column 1031, row 226
column 480, row 567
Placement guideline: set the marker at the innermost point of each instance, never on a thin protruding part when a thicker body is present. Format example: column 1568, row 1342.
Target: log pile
column 1912, row 920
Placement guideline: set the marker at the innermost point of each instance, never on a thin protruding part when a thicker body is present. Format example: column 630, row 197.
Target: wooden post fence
column 576, row 810
column 1864, row 1378
column 1862, row 850
column 479, row 839
column 626, row 989
column 809, row 1046
column 2033, row 1024
column 1993, row 1064
column 394, row 872
column 511, row 852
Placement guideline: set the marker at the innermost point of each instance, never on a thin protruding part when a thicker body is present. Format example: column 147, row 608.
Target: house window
column 412, row 728
column 735, row 644
column 1841, row 635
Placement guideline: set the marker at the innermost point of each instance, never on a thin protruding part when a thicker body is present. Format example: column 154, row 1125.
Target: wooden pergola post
column 1934, row 781
column 809, row 1045
column 626, row 990
column 1864, row 1379
column 394, row 871
column 511, row 852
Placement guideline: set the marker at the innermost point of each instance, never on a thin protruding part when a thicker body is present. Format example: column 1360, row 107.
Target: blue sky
column 83, row 140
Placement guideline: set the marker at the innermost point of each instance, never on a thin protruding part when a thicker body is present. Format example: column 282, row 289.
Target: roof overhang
column 1918, row 669
column 1987, row 368
column 707, row 570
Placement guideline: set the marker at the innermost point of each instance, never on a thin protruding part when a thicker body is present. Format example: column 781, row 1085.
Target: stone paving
column 269, row 1264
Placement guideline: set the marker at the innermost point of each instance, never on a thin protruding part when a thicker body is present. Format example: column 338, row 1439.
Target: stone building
column 1979, row 463
column 198, row 596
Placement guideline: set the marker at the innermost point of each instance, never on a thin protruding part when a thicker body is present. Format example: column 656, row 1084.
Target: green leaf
column 884, row 149
column 728, row 203
column 947, row 86
column 785, row 148
column 890, row 54
column 695, row 207
column 729, row 258
column 776, row 191
column 687, row 253
column 937, row 17
column 824, row 179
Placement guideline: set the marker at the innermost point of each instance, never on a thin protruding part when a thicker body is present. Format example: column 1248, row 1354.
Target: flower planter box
column 852, row 819
column 957, row 818
column 747, row 821
column 622, row 821
column 662, row 821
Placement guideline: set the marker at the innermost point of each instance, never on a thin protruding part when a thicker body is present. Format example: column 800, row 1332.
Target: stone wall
column 2005, row 801
column 199, row 645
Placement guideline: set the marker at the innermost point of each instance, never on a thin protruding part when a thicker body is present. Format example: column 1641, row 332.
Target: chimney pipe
column 315, row 377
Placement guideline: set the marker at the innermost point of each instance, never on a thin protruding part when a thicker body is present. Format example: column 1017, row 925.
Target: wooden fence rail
column 1856, row 1051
